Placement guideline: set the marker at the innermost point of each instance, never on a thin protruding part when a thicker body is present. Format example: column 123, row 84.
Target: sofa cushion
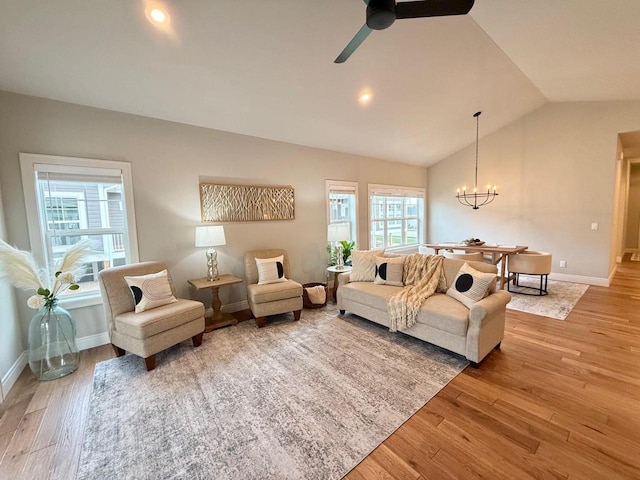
column 389, row 271
column 274, row 291
column 439, row 311
column 364, row 265
column 444, row 313
column 368, row 293
column 157, row 320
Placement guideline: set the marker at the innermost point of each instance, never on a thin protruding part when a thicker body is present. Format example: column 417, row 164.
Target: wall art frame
column 246, row 203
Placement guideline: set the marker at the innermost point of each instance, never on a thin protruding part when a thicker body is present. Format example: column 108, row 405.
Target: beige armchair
column 272, row 298
column 532, row 263
column 149, row 332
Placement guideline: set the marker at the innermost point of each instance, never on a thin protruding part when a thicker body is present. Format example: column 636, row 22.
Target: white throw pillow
column 150, row 291
column 470, row 286
column 270, row 270
column 364, row 265
column 389, row 271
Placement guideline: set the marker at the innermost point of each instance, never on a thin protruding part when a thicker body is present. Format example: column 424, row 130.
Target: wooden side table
column 337, row 271
column 219, row 318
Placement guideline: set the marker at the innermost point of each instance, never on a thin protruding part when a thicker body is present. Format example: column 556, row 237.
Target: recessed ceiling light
column 157, row 15
column 365, row 97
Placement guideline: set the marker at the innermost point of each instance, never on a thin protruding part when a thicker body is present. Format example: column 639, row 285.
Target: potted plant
column 347, row 246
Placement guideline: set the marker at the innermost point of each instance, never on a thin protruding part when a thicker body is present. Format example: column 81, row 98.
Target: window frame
column 346, row 186
column 381, row 190
column 37, row 234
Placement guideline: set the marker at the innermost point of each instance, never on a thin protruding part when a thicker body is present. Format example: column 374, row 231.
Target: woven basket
column 305, row 298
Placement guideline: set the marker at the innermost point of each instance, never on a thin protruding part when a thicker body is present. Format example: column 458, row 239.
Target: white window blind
column 342, row 204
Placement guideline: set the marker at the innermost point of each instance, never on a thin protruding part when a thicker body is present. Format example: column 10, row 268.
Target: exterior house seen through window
column 396, row 216
column 74, row 200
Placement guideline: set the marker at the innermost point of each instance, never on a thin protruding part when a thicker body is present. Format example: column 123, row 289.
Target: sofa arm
column 343, row 278
column 486, row 325
column 488, row 307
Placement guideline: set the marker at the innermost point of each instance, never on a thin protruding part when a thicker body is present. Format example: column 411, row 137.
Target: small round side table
column 337, row 271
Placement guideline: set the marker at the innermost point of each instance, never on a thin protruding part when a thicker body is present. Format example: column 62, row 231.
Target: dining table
column 500, row 253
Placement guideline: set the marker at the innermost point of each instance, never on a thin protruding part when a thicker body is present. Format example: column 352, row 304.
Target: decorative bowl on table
column 473, row 242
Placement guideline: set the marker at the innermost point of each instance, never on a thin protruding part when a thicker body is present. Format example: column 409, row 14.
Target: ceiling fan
column 382, row 13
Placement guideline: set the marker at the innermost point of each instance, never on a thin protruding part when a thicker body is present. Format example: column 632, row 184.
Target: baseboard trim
column 14, row 372
column 235, row 307
column 90, row 341
column 597, row 281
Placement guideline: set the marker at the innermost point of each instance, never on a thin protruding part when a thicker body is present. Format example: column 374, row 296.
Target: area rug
column 635, row 257
column 307, row 399
column 562, row 298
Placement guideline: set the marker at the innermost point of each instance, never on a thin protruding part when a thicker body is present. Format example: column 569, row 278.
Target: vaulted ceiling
column 265, row 68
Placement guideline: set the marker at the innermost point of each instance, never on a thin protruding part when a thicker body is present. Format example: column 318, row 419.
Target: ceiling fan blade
column 360, row 37
column 433, row 8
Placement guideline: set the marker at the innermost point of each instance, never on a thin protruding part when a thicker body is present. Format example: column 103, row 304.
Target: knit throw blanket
column 423, row 276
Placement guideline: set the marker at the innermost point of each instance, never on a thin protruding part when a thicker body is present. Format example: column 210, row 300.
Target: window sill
column 410, row 248
column 80, row 302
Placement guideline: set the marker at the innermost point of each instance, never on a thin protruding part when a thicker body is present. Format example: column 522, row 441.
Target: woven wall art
column 246, row 203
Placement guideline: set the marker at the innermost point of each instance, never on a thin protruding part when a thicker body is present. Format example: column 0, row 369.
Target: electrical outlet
column 563, row 264
column 594, row 226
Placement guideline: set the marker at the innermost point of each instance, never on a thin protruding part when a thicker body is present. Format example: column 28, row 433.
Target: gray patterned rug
column 561, row 299
column 306, row 399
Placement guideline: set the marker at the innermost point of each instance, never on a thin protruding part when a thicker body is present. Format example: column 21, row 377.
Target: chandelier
column 476, row 199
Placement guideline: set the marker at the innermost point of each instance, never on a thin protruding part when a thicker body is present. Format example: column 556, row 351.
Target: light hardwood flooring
column 560, row 400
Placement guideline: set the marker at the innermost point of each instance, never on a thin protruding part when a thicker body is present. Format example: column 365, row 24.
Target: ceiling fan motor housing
column 381, row 14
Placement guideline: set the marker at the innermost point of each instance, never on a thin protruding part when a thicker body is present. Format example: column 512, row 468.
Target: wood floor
column 560, row 400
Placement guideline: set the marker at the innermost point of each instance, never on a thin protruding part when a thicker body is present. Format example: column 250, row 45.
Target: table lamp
column 338, row 232
column 211, row 236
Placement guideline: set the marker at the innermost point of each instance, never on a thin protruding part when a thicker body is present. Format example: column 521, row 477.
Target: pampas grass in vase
column 53, row 352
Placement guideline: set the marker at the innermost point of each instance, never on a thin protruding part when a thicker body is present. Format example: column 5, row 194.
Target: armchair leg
column 260, row 321
column 296, row 315
column 197, row 340
column 119, row 351
column 150, row 362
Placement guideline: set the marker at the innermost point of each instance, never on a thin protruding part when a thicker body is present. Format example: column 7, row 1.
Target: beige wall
column 11, row 345
column 633, row 207
column 555, row 169
column 168, row 161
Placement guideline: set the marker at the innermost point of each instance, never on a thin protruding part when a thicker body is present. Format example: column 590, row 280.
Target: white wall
column 555, row 171
column 633, row 207
column 168, row 162
column 11, row 345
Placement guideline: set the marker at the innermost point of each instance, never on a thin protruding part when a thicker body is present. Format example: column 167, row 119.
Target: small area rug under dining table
column 307, row 399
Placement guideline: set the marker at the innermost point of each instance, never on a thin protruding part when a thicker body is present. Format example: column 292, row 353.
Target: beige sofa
column 442, row 320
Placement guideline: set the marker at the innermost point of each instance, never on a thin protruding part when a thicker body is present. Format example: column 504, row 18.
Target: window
column 342, row 204
column 69, row 200
column 396, row 216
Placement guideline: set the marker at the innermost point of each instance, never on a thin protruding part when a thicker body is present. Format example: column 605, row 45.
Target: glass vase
column 53, row 352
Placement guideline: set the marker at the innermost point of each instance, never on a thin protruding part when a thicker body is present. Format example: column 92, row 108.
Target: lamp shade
column 337, row 232
column 210, row 236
